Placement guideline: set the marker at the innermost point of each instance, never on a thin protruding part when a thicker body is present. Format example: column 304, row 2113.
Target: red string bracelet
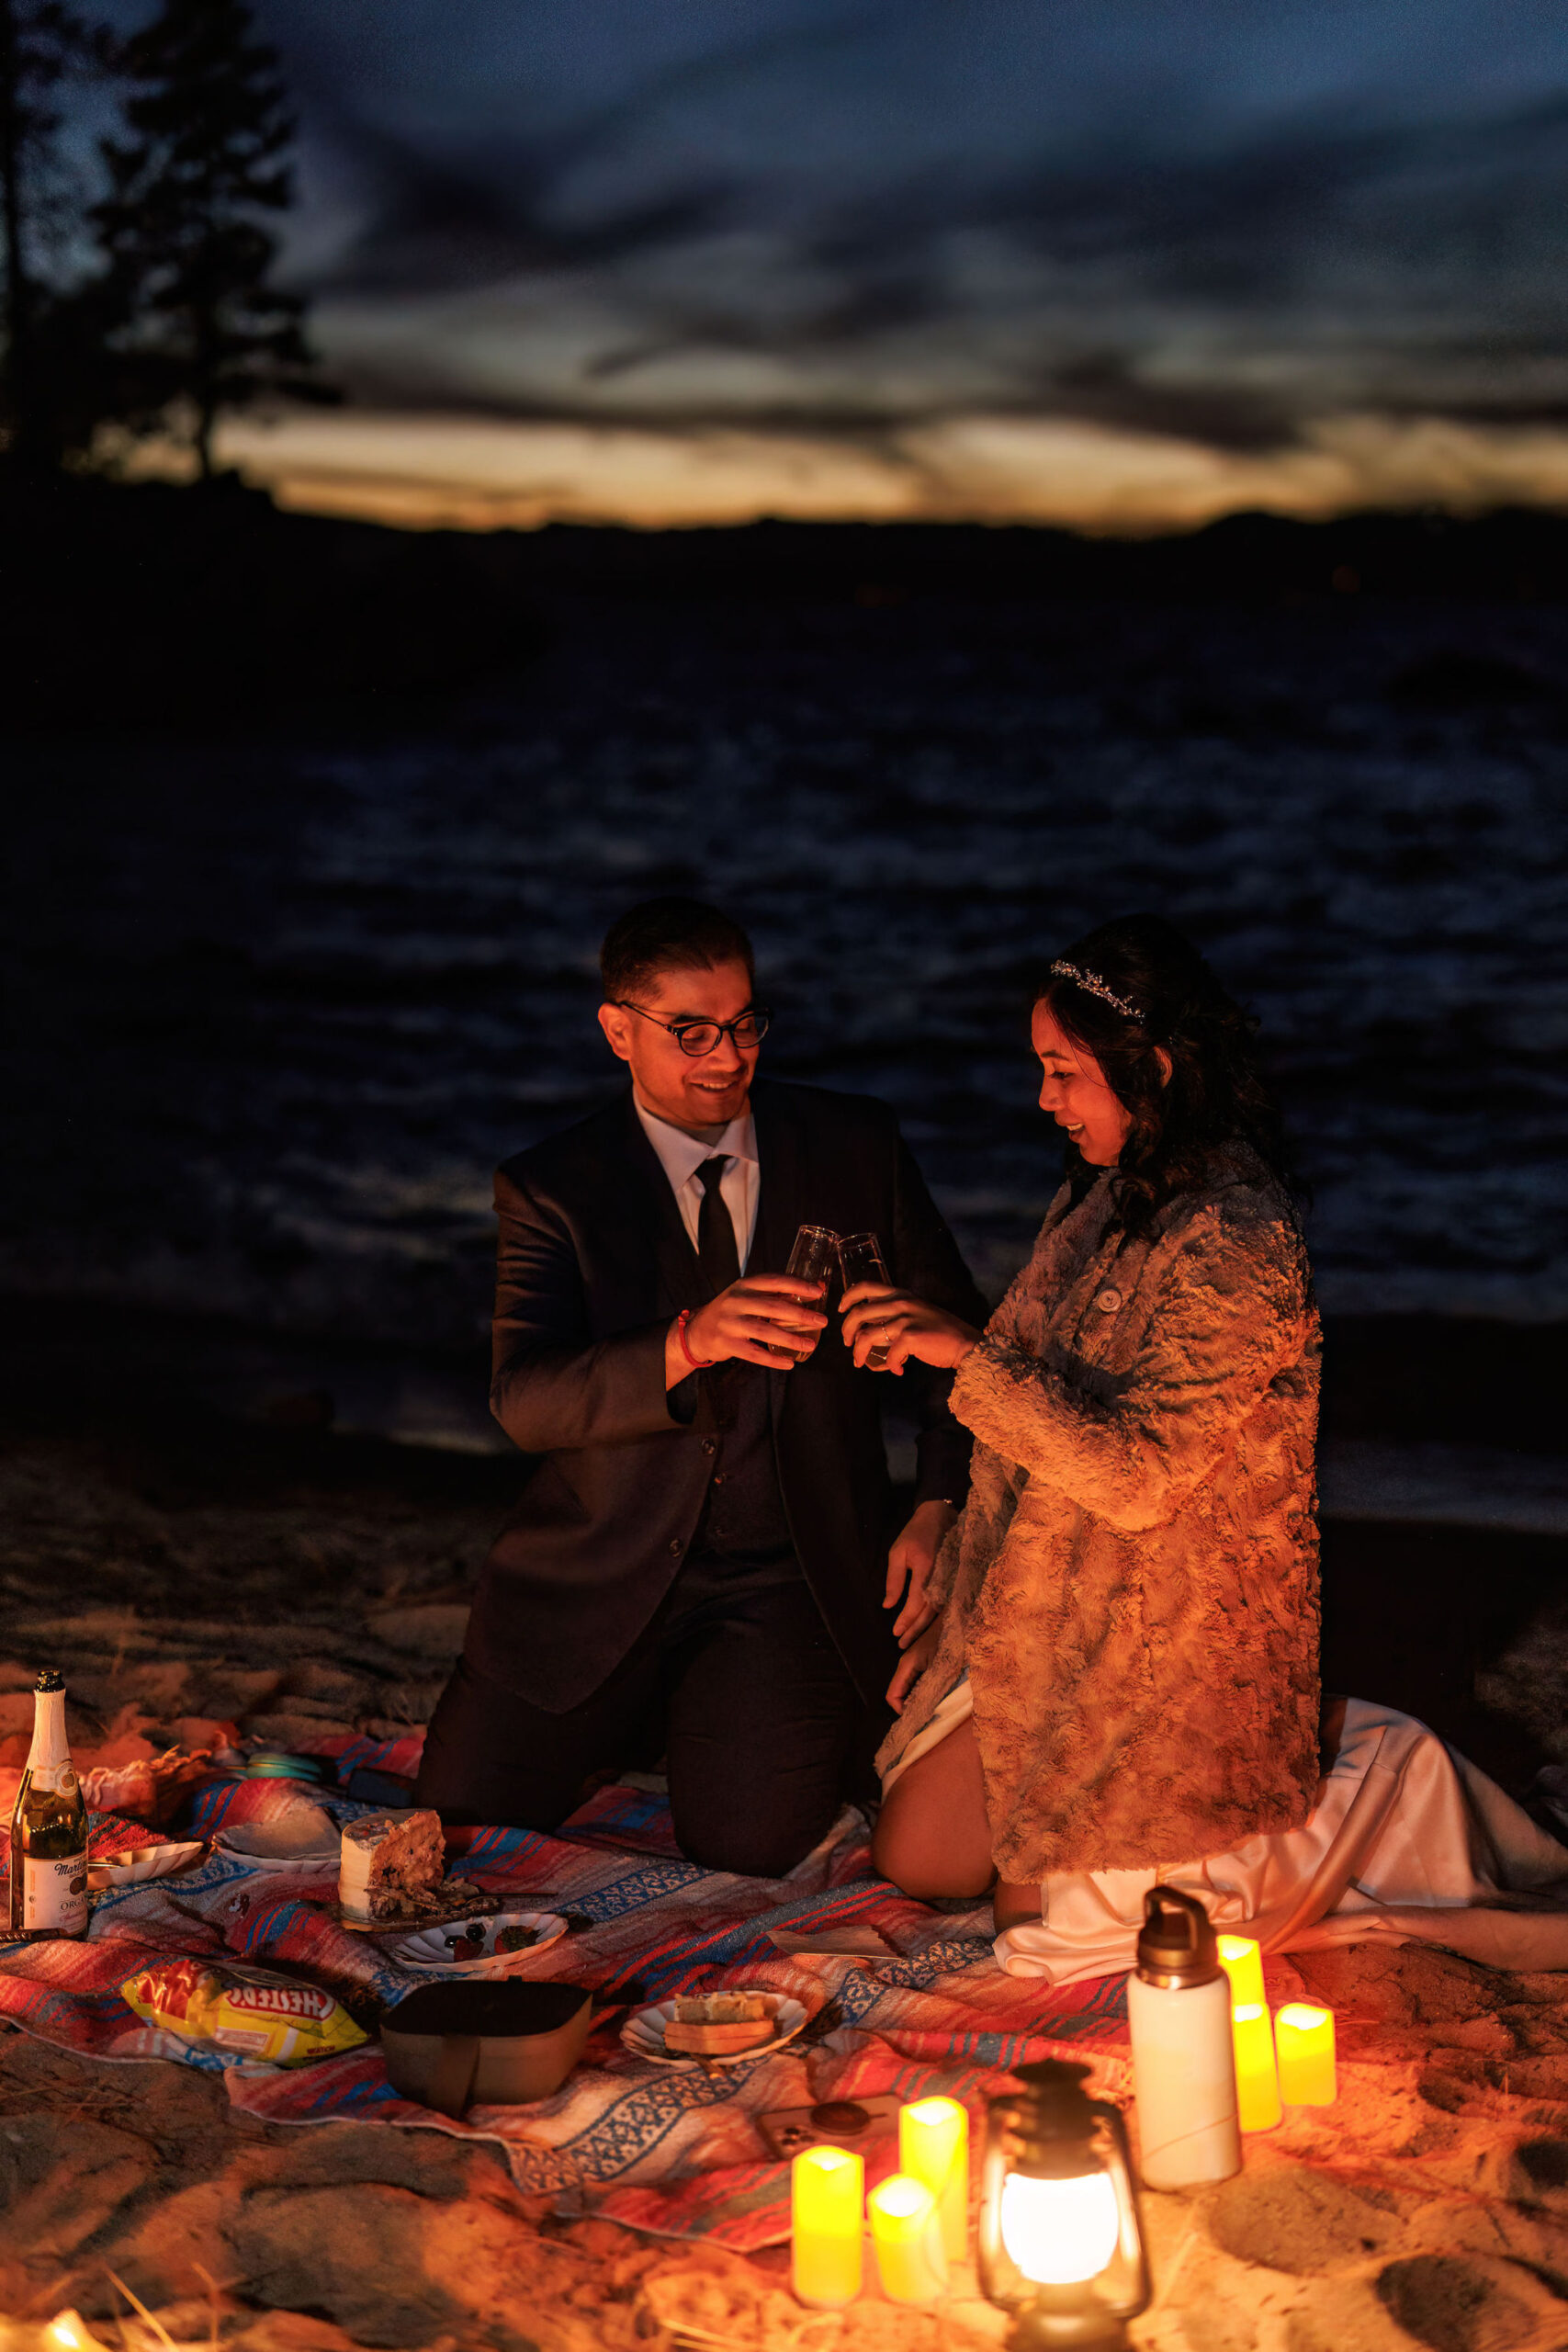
column 698, row 1363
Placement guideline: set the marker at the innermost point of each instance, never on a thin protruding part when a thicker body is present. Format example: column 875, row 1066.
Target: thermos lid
column 1177, row 1947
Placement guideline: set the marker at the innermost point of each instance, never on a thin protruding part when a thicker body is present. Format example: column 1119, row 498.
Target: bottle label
column 54, row 1893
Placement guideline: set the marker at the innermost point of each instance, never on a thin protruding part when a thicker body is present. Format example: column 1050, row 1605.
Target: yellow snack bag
column 246, row 2010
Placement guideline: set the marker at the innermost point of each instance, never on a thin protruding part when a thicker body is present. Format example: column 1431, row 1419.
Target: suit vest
column 743, row 1514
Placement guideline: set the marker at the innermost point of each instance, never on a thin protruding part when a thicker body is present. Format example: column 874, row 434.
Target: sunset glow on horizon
column 439, row 471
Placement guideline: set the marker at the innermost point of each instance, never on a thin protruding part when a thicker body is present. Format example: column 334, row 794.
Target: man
column 698, row 1564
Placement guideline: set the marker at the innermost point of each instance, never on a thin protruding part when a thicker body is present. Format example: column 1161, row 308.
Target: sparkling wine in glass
column 860, row 1257
column 814, row 1259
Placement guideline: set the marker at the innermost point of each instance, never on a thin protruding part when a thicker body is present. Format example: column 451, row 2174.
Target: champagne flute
column 860, row 1257
column 814, row 1259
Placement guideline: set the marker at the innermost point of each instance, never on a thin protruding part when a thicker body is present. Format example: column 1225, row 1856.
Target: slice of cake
column 715, row 2025
column 392, row 1866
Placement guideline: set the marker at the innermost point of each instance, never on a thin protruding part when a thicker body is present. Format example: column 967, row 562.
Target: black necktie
column 716, row 1253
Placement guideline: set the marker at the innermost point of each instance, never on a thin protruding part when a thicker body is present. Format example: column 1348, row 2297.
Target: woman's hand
column 910, row 1668
column 910, row 1563
column 877, row 1316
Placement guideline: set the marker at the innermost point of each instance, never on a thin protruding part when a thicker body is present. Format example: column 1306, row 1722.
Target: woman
column 1115, row 1665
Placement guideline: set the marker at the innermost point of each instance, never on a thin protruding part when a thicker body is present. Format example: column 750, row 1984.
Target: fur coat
column 1132, row 1589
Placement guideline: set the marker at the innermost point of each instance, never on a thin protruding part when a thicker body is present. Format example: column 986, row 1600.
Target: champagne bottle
column 48, row 1827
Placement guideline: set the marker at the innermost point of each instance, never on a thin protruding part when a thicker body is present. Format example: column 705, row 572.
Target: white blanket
column 1407, row 1841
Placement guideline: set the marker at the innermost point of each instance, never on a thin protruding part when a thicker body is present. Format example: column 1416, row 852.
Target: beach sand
column 296, row 1585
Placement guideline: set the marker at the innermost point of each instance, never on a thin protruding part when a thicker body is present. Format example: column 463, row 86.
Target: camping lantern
column 1060, row 2241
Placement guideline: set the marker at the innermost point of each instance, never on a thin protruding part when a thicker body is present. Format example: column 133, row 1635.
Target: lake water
column 283, row 1003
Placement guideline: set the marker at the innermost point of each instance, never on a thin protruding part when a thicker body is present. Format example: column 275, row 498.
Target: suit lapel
column 779, row 1161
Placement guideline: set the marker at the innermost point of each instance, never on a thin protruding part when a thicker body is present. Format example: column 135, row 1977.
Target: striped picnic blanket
column 668, row 2149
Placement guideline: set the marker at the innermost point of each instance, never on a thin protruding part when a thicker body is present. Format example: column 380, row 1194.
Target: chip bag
column 275, row 2020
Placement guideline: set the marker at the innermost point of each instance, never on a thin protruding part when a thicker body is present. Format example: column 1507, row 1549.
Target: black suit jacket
column 593, row 1261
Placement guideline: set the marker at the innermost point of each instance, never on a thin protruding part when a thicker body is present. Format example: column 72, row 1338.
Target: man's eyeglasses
column 697, row 1037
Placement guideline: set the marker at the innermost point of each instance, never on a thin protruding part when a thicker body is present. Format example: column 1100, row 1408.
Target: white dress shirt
column 682, row 1155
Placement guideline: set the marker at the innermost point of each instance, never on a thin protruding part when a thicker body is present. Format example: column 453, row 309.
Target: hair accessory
column 1095, row 986
column 698, row 1363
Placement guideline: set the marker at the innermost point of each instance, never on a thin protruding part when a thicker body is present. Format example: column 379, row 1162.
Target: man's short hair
column 667, row 936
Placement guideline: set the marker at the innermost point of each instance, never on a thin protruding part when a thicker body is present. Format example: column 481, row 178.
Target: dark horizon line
column 1432, row 516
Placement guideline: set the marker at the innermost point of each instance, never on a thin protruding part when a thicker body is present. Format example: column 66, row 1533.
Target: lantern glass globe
column 1060, row 2232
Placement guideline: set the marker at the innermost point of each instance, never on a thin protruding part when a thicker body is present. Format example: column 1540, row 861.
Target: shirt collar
column 682, row 1155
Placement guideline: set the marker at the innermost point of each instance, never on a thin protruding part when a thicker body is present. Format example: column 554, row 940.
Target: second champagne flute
column 860, row 1256
column 814, row 1259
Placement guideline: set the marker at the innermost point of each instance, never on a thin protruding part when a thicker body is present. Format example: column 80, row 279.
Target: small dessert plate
column 312, row 1845
column 139, row 1862
column 449, row 1951
column 643, row 2033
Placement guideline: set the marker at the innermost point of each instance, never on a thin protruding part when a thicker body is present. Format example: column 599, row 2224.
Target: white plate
column 643, row 2034
column 430, row 1954
column 304, row 1839
column 430, row 1951
column 139, row 1862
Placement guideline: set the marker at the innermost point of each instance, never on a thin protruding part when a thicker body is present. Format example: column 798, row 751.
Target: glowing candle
column 827, row 2226
column 1242, row 1962
column 1305, row 2037
column 933, row 2148
column 906, row 2230
column 1258, row 2105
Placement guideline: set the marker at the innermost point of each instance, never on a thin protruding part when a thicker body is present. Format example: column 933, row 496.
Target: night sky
column 1117, row 262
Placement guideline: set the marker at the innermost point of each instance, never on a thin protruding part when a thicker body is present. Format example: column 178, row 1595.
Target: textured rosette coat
column 1133, row 1589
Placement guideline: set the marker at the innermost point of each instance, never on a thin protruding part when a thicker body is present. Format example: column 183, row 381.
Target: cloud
column 1216, row 228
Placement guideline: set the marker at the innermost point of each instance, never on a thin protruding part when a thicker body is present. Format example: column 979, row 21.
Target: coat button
column 718, row 1477
column 674, row 1543
column 709, row 1445
column 1109, row 1301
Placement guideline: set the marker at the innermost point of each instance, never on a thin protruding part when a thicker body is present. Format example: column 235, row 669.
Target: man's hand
column 878, row 1316
column 910, row 1667
column 770, row 1320
column 909, row 1564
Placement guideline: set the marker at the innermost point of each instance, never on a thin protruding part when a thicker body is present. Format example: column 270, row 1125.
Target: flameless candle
column 1305, row 2037
column 1242, row 1960
column 827, row 2226
column 906, row 2230
column 1258, row 2105
column 933, row 2148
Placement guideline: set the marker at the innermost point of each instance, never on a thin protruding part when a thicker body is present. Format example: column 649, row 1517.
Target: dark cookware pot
column 500, row 2043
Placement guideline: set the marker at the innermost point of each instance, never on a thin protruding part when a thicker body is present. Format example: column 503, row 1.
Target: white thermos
column 1178, row 2005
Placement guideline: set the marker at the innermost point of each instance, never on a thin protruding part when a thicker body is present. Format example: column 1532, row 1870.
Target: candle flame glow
column 900, row 2198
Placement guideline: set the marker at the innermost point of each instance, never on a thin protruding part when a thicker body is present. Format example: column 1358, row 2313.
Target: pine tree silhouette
column 186, row 223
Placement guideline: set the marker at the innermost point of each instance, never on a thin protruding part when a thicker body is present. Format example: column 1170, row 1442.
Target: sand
column 292, row 1586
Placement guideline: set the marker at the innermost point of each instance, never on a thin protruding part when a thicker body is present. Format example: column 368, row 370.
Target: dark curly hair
column 1216, row 1094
